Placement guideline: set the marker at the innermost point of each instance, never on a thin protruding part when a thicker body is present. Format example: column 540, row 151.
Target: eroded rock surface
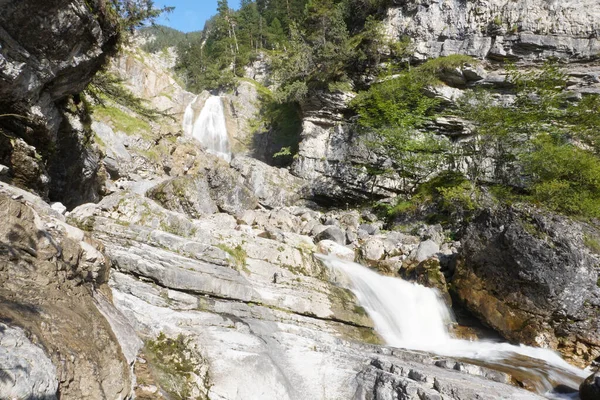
column 49, row 271
column 36, row 78
column 531, row 277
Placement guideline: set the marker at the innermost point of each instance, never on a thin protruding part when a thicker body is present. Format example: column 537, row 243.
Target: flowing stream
column 411, row 316
column 209, row 128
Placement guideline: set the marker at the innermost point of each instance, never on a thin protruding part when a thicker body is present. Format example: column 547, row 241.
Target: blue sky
column 190, row 15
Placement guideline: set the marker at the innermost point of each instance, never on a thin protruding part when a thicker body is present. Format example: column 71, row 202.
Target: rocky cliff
column 333, row 154
column 50, row 51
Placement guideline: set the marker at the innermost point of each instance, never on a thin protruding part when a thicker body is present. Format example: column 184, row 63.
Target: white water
column 209, row 128
column 412, row 316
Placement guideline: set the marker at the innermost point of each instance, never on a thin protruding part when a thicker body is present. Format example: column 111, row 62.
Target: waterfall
column 188, row 118
column 209, row 128
column 411, row 316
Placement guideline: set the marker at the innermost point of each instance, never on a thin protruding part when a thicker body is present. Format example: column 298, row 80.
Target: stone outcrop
column 50, row 276
column 27, row 372
column 532, row 277
column 49, row 51
column 258, row 313
column 499, row 29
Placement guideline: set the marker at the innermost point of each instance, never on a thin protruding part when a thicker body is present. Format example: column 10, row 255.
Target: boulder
column 332, row 233
column 373, row 249
column 426, row 249
column 531, row 276
column 331, row 248
column 205, row 193
column 273, row 187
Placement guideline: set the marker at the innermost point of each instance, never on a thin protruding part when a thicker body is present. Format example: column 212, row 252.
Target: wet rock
column 329, row 247
column 590, row 388
column 529, row 275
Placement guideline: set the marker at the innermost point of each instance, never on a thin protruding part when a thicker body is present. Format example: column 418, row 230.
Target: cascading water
column 209, row 128
column 411, row 316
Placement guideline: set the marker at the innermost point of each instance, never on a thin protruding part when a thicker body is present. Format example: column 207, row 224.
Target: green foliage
column 308, row 42
column 161, row 37
column 133, row 14
column 432, row 69
column 542, row 142
column 565, row 178
column 592, row 243
column 395, row 110
column 452, row 194
column 120, row 120
column 106, row 86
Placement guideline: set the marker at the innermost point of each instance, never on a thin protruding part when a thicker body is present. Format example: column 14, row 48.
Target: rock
column 369, row 229
column 428, row 273
column 590, row 388
column 36, row 82
column 59, row 208
column 373, row 249
column 351, row 236
column 426, row 250
column 188, row 194
column 274, row 187
column 329, row 247
column 197, row 195
column 456, row 28
column 433, row 232
column 50, row 271
column 332, row 157
column 228, row 190
column 4, row 170
column 27, row 372
column 332, row 233
column 529, row 275
column 350, row 219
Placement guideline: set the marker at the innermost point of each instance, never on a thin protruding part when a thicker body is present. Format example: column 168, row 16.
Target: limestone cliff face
column 48, row 51
column 335, row 157
column 499, row 29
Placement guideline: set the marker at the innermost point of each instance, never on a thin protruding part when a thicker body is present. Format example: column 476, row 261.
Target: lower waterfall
column 209, row 128
column 411, row 316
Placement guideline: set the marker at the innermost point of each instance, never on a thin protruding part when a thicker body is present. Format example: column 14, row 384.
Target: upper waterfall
column 408, row 315
column 209, row 128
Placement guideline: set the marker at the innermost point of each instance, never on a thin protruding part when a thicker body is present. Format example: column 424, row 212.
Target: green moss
column 121, row 121
column 237, row 253
column 174, row 365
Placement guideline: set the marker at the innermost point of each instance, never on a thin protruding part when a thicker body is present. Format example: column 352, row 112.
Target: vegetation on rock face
column 542, row 148
column 539, row 148
column 176, row 367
